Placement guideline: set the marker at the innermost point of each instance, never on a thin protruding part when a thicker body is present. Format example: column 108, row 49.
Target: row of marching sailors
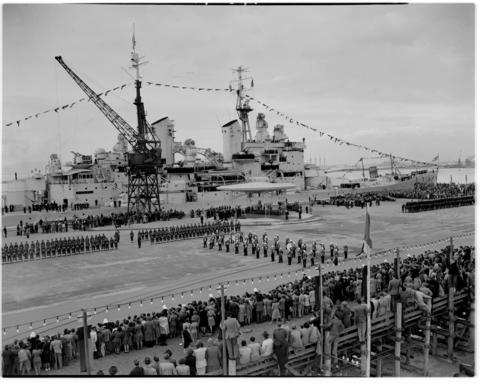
column 434, row 204
column 58, row 247
column 292, row 249
column 184, row 231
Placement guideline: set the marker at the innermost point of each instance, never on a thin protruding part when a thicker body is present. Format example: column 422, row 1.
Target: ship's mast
column 141, row 119
column 243, row 107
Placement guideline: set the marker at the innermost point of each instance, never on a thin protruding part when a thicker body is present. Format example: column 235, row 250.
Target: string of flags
column 289, row 119
column 333, row 138
column 165, row 299
column 205, row 89
column 65, row 106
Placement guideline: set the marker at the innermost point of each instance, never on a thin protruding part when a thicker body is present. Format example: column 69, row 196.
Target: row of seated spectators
column 427, row 275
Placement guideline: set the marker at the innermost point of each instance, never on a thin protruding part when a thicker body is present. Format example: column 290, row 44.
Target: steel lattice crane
column 145, row 161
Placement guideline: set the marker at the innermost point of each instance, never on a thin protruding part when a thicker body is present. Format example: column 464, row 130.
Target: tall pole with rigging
column 242, row 104
column 144, row 162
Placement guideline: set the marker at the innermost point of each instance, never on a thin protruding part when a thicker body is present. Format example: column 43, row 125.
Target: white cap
column 105, row 321
column 32, row 335
column 255, row 290
column 165, row 307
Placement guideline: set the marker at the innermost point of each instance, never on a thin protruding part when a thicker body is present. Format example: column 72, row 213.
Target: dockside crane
column 144, row 162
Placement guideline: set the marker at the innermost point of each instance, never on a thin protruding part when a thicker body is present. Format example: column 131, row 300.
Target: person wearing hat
column 166, row 367
column 137, row 370
column 148, row 369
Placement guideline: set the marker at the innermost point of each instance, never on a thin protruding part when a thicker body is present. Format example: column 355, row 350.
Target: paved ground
column 36, row 290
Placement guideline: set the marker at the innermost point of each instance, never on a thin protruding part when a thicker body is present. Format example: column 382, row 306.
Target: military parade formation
column 58, row 247
column 261, row 246
column 186, row 231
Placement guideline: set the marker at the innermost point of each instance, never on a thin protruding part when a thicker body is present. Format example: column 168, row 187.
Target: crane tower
column 144, row 161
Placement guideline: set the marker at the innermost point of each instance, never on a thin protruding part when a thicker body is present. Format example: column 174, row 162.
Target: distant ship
column 395, row 180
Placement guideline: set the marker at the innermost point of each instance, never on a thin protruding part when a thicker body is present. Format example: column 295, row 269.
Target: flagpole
column 369, row 313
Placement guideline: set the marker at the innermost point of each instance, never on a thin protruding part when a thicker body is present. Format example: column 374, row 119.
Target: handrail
column 347, row 338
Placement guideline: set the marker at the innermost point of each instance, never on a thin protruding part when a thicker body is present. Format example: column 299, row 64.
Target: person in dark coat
column 149, row 333
column 137, row 371
column 280, row 348
column 187, row 338
column 190, row 361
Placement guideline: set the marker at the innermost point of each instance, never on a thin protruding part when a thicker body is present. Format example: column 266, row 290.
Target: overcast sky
column 396, row 78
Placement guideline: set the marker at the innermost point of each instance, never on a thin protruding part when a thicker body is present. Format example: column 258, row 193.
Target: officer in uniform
column 23, row 250
column 131, row 236
column 54, row 247
column 87, row 244
column 227, row 244
column 205, row 240
column 322, row 253
column 37, row 249
column 10, row 253
column 345, row 251
column 280, row 256
column 32, row 250
column 49, row 246
column 237, row 244
column 289, row 256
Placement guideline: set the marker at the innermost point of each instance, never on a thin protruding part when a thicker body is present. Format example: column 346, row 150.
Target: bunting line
column 335, row 139
column 166, row 85
column 69, row 106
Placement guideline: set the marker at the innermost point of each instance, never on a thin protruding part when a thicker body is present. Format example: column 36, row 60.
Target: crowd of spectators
column 427, row 275
column 360, row 199
column 436, row 191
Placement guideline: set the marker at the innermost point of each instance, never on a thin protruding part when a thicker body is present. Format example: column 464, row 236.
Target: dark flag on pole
column 366, row 239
